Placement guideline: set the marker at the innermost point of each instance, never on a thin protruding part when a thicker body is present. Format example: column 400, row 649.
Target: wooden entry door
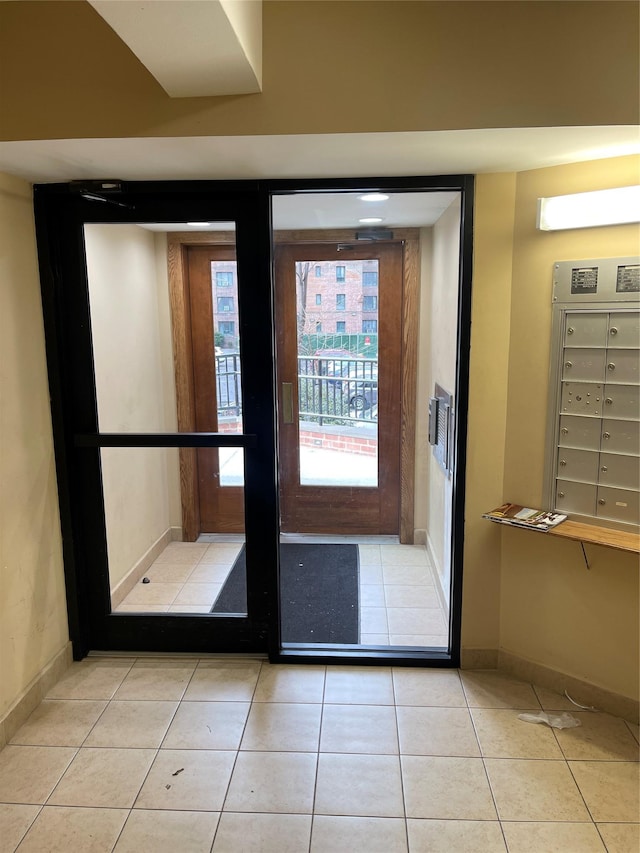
column 216, row 370
column 339, row 340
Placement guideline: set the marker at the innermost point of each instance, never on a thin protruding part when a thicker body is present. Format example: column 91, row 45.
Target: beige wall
column 33, row 616
column 553, row 610
column 442, row 357
column 488, row 375
column 135, row 386
column 333, row 68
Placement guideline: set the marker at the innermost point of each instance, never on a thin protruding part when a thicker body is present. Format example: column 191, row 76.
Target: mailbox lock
column 563, row 461
column 613, row 331
column 609, row 401
column 604, row 468
column 602, row 502
column 570, row 330
column 569, row 364
column 560, row 494
column 611, row 366
column 564, row 431
column 606, row 435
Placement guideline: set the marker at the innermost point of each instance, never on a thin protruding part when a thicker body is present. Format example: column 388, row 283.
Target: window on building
column 224, row 279
column 318, row 299
column 369, row 326
column 370, row 278
column 227, row 327
column 341, row 301
column 341, row 273
column 370, row 303
column 318, row 271
column 318, row 327
column 225, row 304
column 341, row 327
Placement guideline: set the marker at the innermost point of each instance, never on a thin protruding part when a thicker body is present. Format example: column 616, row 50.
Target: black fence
column 228, row 385
column 331, row 390
column 337, row 390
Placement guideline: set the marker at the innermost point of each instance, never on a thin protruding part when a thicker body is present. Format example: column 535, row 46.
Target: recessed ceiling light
column 370, row 220
column 198, row 224
column 373, row 197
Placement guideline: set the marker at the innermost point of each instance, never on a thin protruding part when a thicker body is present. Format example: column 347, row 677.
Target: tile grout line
column 157, row 752
column 400, row 766
column 484, row 767
column 315, row 780
column 235, row 760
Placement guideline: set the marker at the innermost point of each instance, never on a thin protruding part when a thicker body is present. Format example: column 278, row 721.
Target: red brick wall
column 318, row 438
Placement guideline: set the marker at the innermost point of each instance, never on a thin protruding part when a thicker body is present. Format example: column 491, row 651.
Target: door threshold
column 308, row 538
column 225, row 656
column 220, row 537
column 332, row 538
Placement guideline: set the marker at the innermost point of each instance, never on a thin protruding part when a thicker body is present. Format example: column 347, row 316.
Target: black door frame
column 61, row 211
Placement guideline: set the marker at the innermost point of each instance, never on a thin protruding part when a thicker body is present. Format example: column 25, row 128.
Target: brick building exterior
column 341, row 298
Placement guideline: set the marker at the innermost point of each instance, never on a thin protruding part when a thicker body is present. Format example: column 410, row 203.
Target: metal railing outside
column 330, row 390
column 228, row 386
column 337, row 390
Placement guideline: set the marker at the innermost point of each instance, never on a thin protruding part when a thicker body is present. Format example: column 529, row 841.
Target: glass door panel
column 224, row 283
column 151, row 570
column 337, row 341
column 215, row 343
column 339, row 352
column 165, row 515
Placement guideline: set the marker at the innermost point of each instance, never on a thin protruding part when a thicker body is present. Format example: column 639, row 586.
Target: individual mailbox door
column 583, row 365
column 620, row 471
column 586, row 329
column 618, row 504
column 582, row 398
column 620, row 437
column 577, row 498
column 579, row 432
column 581, row 465
column 622, row 401
column 623, row 365
column 624, row 330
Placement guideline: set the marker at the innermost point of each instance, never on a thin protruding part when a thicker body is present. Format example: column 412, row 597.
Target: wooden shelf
column 621, row 540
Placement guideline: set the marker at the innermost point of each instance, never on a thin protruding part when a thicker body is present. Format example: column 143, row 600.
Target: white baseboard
column 135, row 575
column 34, row 693
column 552, row 679
column 437, row 575
column 419, row 536
column 478, row 658
column 579, row 689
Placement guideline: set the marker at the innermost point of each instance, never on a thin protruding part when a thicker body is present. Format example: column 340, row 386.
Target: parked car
column 361, row 387
column 333, row 363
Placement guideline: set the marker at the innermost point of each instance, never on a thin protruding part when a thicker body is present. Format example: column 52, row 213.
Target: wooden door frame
column 177, row 245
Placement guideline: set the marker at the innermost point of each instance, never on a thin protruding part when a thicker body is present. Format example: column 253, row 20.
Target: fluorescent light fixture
column 373, row 197
column 370, row 220
column 198, row 224
column 589, row 210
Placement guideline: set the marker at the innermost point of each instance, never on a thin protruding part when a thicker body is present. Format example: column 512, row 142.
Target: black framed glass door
column 131, row 436
column 137, row 444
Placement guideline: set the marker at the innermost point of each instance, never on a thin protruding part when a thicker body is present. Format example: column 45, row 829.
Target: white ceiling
column 339, row 210
column 314, row 156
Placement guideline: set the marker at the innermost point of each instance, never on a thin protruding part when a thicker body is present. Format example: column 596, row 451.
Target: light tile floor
column 235, row 755
column 399, row 605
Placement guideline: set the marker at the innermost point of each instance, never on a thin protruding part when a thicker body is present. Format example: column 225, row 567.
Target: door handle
column 287, row 402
